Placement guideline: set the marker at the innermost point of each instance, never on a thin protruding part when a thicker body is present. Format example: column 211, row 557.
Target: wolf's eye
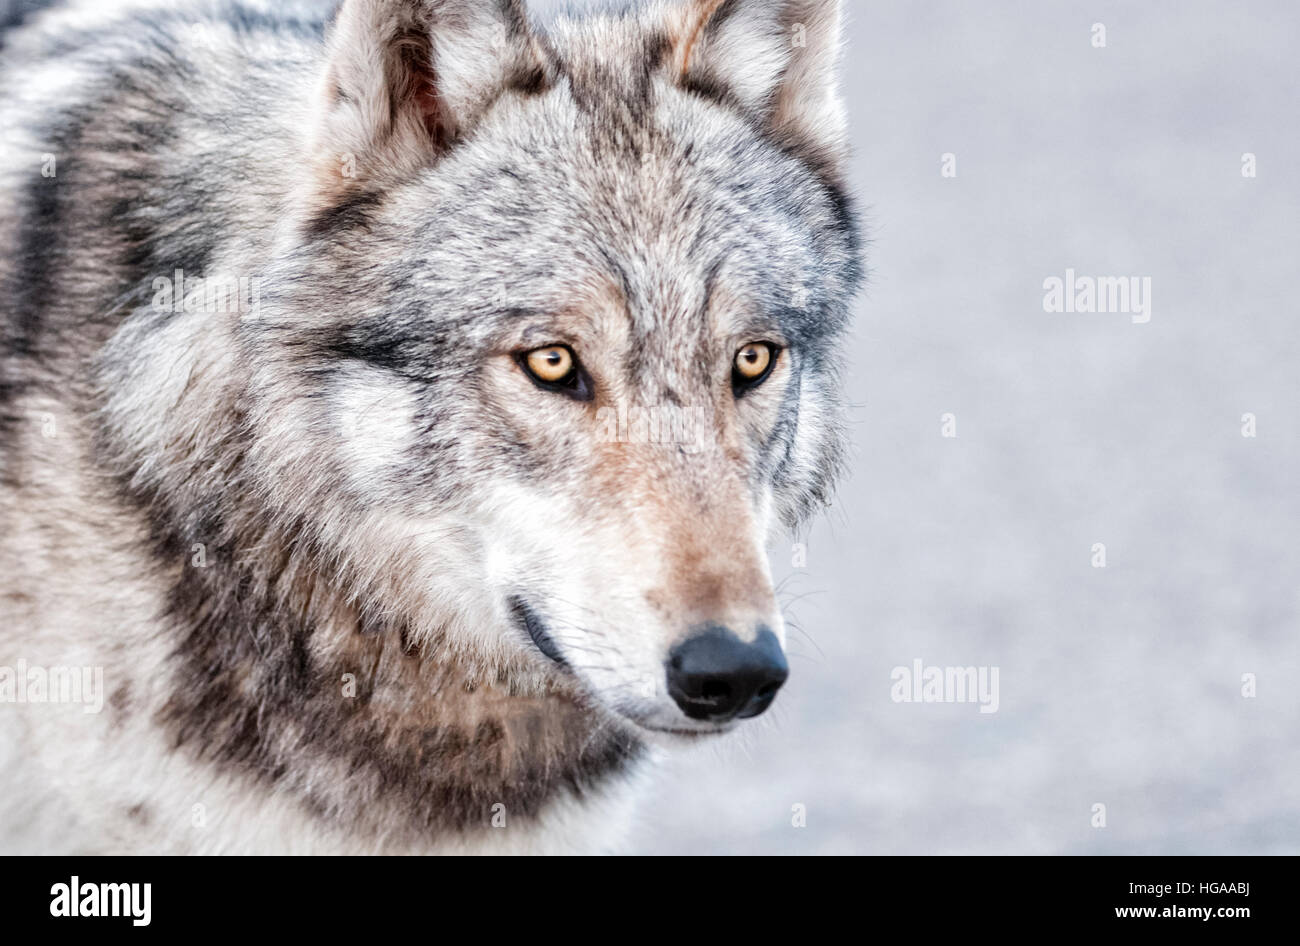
column 752, row 365
column 556, row 368
column 551, row 365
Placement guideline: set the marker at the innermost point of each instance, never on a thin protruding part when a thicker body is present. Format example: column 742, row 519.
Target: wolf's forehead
column 614, row 177
column 549, row 221
column 616, row 51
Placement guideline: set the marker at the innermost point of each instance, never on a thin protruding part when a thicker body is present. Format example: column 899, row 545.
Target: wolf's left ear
column 406, row 78
column 776, row 60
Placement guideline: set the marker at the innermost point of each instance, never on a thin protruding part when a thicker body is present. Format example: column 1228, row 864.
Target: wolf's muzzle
column 716, row 676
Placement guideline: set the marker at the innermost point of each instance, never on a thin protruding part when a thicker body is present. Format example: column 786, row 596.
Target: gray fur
column 358, row 467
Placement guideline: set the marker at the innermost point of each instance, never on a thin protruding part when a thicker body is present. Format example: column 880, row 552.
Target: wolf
column 344, row 359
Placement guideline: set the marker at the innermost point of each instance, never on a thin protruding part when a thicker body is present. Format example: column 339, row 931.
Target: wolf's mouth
column 687, row 733
column 535, row 628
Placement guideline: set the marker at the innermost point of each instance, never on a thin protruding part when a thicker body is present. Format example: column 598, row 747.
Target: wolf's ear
column 405, row 78
column 774, row 59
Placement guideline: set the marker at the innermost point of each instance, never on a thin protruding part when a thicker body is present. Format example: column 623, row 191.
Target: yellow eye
column 753, row 360
column 552, row 364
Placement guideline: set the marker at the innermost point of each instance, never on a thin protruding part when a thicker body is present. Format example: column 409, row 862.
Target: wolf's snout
column 716, row 676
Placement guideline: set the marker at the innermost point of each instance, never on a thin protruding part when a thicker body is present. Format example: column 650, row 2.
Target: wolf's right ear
column 405, row 78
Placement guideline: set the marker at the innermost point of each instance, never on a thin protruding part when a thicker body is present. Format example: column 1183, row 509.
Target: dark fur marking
column 16, row 13
column 120, row 699
column 383, row 346
column 658, row 47
column 140, row 814
column 352, row 212
column 33, row 279
column 708, row 87
column 532, row 81
column 409, row 647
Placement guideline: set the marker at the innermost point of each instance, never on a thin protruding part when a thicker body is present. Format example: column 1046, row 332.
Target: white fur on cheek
column 375, row 414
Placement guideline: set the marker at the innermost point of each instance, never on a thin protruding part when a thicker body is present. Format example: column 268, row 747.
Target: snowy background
column 1119, row 685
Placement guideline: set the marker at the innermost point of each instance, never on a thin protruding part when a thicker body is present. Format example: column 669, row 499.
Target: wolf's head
column 556, row 324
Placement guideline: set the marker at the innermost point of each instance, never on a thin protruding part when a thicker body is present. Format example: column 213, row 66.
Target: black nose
column 716, row 676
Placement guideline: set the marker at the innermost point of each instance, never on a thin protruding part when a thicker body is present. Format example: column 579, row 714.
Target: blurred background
column 1120, row 686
